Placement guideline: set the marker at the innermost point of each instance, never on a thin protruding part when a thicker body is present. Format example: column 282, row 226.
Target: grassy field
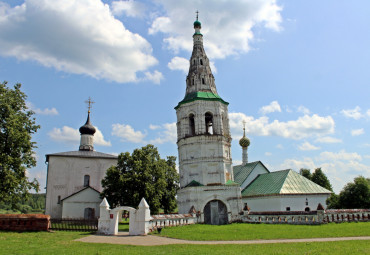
column 240, row 231
column 62, row 242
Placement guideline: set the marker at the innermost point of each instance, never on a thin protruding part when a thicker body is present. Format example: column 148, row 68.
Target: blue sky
column 296, row 71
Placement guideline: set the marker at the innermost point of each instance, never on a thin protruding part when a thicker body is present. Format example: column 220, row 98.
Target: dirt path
column 151, row 240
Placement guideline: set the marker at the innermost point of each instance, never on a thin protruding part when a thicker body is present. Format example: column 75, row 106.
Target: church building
column 74, row 178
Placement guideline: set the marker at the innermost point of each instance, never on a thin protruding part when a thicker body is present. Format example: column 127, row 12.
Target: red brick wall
column 24, row 222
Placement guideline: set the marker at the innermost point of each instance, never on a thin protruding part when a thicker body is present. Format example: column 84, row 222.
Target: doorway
column 215, row 213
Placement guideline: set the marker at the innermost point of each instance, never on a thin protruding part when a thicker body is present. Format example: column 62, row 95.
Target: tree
column 142, row 174
column 17, row 125
column 306, row 173
column 320, row 178
column 356, row 195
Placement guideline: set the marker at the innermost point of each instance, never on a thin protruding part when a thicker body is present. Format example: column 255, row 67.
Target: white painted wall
column 259, row 169
column 66, row 176
column 74, row 206
column 280, row 203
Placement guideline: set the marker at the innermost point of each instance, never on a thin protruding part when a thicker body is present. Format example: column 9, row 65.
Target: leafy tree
column 356, row 195
column 142, row 174
column 333, row 202
column 306, row 173
column 17, row 125
column 320, row 178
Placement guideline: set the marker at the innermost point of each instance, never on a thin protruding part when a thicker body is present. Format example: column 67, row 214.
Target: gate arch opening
column 215, row 213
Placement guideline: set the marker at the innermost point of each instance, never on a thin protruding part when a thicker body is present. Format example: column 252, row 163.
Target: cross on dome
column 89, row 103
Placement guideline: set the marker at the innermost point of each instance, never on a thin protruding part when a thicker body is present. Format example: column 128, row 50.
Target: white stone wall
column 200, row 196
column 280, row 203
column 66, row 176
column 74, row 207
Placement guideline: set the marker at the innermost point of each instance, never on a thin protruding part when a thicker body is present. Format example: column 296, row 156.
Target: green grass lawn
column 62, row 242
column 242, row 231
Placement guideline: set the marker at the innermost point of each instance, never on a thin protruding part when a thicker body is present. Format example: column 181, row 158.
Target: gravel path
column 151, row 240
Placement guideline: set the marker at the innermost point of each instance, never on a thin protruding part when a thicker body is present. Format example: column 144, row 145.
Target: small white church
column 209, row 185
column 73, row 182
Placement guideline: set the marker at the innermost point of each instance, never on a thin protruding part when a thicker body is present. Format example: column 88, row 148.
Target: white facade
column 286, row 202
column 66, row 175
column 85, row 203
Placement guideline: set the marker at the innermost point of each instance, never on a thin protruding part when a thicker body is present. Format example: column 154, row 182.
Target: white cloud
column 71, row 135
column 46, row 111
column 127, row 133
column 353, row 113
column 298, row 164
column 167, row 133
column 280, row 146
column 303, row 110
column 155, row 77
column 129, row 7
column 368, row 113
column 268, row 154
column 306, row 146
column 226, row 25
column 356, row 132
column 272, row 107
column 328, row 139
column 303, row 127
column 339, row 156
column 154, row 127
column 80, row 37
column 178, row 63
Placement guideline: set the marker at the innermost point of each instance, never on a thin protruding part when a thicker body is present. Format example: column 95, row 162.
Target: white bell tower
column 203, row 134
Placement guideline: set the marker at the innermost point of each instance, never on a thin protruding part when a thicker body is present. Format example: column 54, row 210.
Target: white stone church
column 210, row 185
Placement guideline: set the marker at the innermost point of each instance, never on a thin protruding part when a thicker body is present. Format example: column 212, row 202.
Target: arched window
column 194, row 61
column 191, row 124
column 86, row 180
column 58, row 200
column 307, row 209
column 209, row 123
column 201, row 62
column 192, row 81
column 203, row 81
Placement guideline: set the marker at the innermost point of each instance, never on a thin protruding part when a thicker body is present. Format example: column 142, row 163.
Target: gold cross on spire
column 89, row 103
column 197, row 12
column 244, row 122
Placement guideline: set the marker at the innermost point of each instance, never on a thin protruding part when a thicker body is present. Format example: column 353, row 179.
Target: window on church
column 191, row 124
column 288, row 209
column 209, row 123
column 307, row 209
column 194, row 61
column 58, row 200
column 203, row 81
column 201, row 62
column 192, row 81
column 86, row 180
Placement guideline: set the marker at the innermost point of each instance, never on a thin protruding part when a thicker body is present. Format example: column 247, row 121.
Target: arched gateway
column 215, row 213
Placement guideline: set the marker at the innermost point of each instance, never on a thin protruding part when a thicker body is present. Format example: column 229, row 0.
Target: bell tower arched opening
column 191, row 125
column 209, row 123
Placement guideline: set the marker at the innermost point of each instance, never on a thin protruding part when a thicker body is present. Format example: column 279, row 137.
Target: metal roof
column 82, row 154
column 201, row 95
column 241, row 172
column 282, row 182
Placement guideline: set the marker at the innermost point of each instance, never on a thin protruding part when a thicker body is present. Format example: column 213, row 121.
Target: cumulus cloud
column 303, row 127
column 167, row 133
column 227, row 25
column 306, row 146
column 303, row 110
column 127, row 133
column 339, row 156
column 328, row 139
column 272, row 107
column 155, row 77
column 356, row 132
column 129, row 8
column 353, row 113
column 45, row 111
column 268, row 154
column 72, row 135
column 80, row 37
column 178, row 63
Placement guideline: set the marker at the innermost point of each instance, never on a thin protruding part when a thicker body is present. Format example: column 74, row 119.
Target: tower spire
column 244, row 142
column 87, row 131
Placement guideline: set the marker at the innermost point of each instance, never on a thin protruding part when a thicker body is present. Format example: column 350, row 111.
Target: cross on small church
column 89, row 103
column 197, row 12
column 244, row 122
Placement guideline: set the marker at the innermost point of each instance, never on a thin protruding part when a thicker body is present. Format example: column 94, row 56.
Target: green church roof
column 194, row 184
column 241, row 172
column 282, row 182
column 231, row 183
column 201, row 95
